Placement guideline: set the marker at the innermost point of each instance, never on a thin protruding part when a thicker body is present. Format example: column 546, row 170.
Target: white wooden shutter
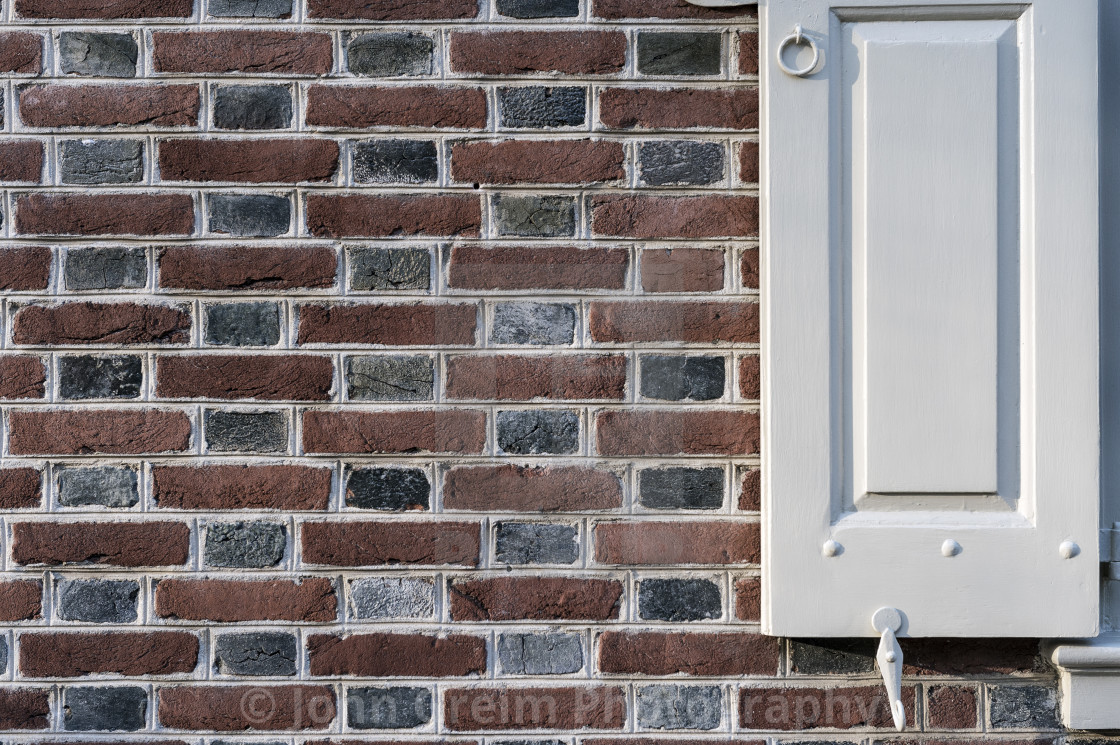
column 930, row 318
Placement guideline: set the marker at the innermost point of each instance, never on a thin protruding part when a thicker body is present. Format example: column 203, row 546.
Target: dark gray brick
column 403, row 377
column 676, row 378
column 537, row 107
column 245, row 544
column 261, row 215
column 396, row 707
column 538, row 432
column 97, row 600
column 536, row 543
column 256, row 653
column 540, row 654
column 533, row 323
column 107, row 55
column 246, row 431
column 108, row 709
column 832, row 656
column 106, row 268
column 102, row 161
column 3, row 655
column 678, row 53
column 93, row 376
column 680, row 162
column 681, row 488
column 250, row 8
column 395, row 162
column 243, row 324
column 105, row 486
column 679, row 600
column 679, row 707
column 1023, row 707
column 536, row 216
column 539, row 8
column 390, row 54
column 389, row 489
column 253, row 107
column 390, row 269
column 379, row 598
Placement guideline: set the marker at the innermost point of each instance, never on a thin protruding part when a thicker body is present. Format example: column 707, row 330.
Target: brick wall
column 387, row 369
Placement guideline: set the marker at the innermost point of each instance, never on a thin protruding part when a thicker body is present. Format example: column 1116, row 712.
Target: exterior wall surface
column 386, row 371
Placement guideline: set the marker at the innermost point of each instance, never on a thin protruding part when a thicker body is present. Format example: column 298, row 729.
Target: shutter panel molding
column 930, row 317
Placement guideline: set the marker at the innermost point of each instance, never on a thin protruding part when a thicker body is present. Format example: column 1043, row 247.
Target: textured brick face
column 390, row 371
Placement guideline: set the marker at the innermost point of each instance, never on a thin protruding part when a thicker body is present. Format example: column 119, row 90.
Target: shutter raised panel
column 930, row 314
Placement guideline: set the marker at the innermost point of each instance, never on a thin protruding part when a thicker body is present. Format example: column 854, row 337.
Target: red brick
column 105, row 214
column 21, row 160
column 537, row 161
column 377, row 106
column 98, row 432
column 509, row 708
column 359, row 544
column 750, row 491
column 413, row 324
column 21, row 600
column 393, row 10
column 477, row 267
column 109, row 105
column 667, row 741
column 104, row 9
column 341, row 215
column 951, row 707
column 21, row 52
column 710, row 216
column 309, row 600
column 253, row 52
column 55, row 655
column 654, row 108
column 677, row 433
column 513, row 488
column 748, row 599
column 101, row 323
column 248, row 161
column 682, row 270
column 521, row 52
column 748, row 53
column 248, row 707
column 674, row 653
column 674, row 9
column 25, row 708
column 749, row 164
column 241, row 487
column 20, row 488
column 509, row 377
column 443, row 431
column 535, row 599
column 143, row 544
column 25, row 268
column 668, row 543
column 971, row 656
column 686, row 321
column 749, row 269
column 397, row 655
column 750, row 377
column 247, row 267
column 803, row 708
column 286, row 377
column 22, row 376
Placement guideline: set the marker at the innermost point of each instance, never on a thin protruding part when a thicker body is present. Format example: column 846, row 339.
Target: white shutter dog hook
column 888, row 622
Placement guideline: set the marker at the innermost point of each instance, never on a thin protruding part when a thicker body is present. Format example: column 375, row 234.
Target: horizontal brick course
column 476, row 267
column 537, row 162
column 515, row 708
column 242, row 51
column 397, row 655
column 673, row 653
column 248, row 161
column 101, row 323
column 105, row 214
column 520, row 52
column 103, row 9
column 241, row 487
column 394, row 10
column 247, row 267
column 685, row 321
column 525, row 489
column 675, row 217
column 524, row 378
column 668, row 543
column 228, row 377
column 392, row 325
column 61, row 655
column 654, row 108
column 444, row 431
column 339, row 216
column 237, row 708
column 535, row 599
column 373, row 106
column 131, row 432
column 360, row 544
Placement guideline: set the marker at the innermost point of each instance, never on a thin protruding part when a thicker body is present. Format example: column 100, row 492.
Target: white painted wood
column 930, row 255
column 1090, row 683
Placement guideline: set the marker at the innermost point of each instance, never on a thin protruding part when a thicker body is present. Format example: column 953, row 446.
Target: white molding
column 722, row 3
column 1090, row 682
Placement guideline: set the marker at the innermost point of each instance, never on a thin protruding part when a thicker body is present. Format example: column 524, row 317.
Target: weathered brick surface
column 365, row 365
